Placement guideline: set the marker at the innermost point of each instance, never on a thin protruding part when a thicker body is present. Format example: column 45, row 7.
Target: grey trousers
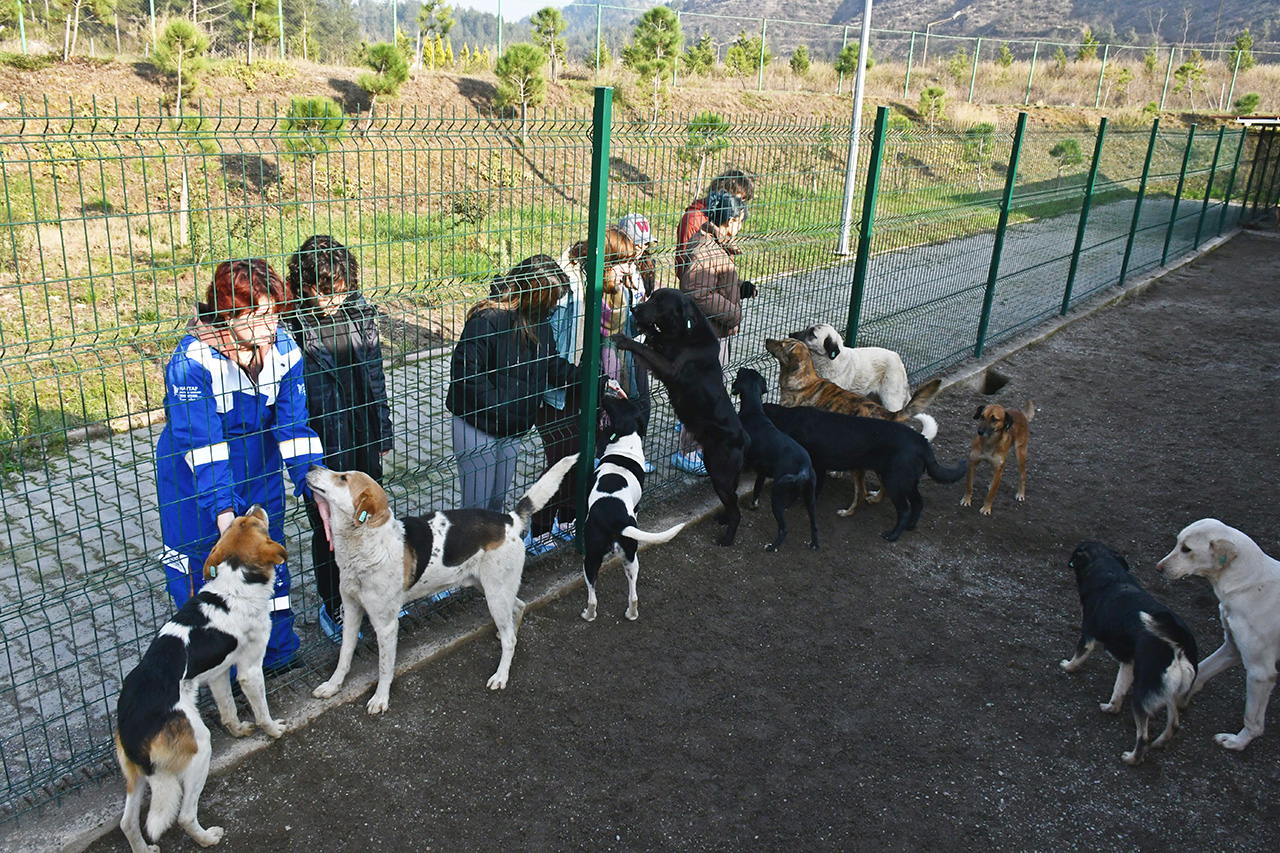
column 486, row 465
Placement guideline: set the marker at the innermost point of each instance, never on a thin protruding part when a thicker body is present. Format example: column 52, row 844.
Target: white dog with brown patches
column 1247, row 583
column 384, row 562
column 160, row 739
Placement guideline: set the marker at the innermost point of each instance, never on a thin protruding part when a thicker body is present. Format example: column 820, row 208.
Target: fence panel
column 115, row 216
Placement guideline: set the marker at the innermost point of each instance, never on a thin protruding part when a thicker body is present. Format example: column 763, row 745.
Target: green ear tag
column 1222, row 561
column 213, row 571
column 364, row 514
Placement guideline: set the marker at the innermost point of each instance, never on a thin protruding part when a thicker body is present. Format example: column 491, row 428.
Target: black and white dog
column 160, row 738
column 611, row 506
column 1155, row 648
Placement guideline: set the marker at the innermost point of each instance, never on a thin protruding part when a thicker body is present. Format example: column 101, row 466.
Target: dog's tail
column 166, row 797
column 928, row 426
column 543, row 490
column 944, row 475
column 655, row 538
column 1181, row 674
column 920, row 399
column 1029, row 410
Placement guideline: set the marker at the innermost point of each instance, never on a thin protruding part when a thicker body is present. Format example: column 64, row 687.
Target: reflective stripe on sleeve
column 306, row 446
column 175, row 560
column 207, row 455
column 280, row 603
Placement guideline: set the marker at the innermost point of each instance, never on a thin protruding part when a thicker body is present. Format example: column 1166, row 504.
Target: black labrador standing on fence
column 775, row 454
column 683, row 351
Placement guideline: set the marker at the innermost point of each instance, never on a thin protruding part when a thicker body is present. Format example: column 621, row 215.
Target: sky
column 512, row 10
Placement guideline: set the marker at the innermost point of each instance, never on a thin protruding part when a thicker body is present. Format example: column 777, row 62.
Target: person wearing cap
column 639, row 282
column 711, row 279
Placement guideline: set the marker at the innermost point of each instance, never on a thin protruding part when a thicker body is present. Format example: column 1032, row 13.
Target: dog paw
column 212, row 835
column 890, row 535
column 378, row 704
column 326, row 690
column 1110, row 708
column 813, row 543
column 966, row 500
column 589, row 613
column 497, row 681
column 633, row 611
column 875, row 497
column 274, row 728
column 1226, row 740
column 845, row 513
column 1068, row 666
column 985, row 510
column 1020, row 496
column 725, row 541
column 237, row 728
column 1131, row 758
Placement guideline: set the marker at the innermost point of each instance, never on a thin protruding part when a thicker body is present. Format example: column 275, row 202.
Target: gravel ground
column 868, row 696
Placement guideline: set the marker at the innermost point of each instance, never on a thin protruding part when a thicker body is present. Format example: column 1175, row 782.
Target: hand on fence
column 746, row 289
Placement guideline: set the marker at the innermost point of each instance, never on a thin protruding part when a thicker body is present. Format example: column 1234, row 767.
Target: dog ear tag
column 364, row 516
column 1222, row 561
column 213, row 572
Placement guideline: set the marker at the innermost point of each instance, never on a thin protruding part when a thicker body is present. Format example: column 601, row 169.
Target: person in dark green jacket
column 504, row 361
column 337, row 331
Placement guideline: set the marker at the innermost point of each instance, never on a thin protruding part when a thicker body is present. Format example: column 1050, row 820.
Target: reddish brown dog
column 999, row 430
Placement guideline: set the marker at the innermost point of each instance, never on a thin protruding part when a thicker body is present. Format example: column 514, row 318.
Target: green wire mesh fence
column 114, row 217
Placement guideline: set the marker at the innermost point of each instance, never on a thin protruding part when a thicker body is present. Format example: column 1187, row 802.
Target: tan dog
column 999, row 430
column 802, row 386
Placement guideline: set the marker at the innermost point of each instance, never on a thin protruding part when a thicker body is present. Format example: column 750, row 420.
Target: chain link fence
column 114, row 217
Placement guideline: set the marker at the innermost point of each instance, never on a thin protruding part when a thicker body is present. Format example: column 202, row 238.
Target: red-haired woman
column 236, row 411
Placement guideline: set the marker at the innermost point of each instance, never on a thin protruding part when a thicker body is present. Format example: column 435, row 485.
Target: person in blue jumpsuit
column 236, row 411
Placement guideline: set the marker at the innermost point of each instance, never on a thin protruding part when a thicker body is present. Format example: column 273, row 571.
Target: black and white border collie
column 611, row 506
column 160, row 738
column 1155, row 648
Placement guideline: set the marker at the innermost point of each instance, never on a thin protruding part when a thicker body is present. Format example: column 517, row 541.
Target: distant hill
column 1138, row 21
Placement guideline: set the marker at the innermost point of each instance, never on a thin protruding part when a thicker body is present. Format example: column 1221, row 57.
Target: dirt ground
column 867, row 696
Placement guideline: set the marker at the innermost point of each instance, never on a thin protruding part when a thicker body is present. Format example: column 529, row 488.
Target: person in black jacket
column 504, row 361
column 337, row 331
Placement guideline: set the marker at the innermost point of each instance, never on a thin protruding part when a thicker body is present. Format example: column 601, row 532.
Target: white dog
column 1247, row 583
column 866, row 371
column 384, row 562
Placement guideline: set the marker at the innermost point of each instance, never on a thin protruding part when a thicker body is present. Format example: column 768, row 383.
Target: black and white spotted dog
column 611, row 506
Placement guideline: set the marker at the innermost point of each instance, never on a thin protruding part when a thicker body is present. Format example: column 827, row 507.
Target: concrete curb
column 97, row 806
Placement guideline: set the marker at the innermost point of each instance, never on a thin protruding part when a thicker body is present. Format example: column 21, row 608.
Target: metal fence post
column 280, row 21
column 1097, row 98
column 1137, row 203
column 764, row 22
column 676, row 64
column 844, row 42
column 973, row 75
column 1234, row 72
column 1010, row 178
column 1177, row 195
column 598, row 8
column 1231, row 184
column 597, row 223
column 22, row 29
column 1167, row 72
column 1084, row 215
column 1031, row 74
column 1248, row 184
column 1264, row 196
column 1275, row 179
column 864, row 230
column 911, row 51
column 1208, row 187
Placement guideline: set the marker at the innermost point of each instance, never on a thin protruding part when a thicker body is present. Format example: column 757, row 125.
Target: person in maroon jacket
column 735, row 182
column 711, row 279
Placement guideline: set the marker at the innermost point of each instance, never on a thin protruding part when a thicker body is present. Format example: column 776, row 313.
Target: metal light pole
column 924, row 59
column 851, row 167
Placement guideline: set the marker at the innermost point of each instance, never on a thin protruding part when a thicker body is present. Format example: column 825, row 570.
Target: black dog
column 683, row 351
column 775, row 454
column 1155, row 648
column 837, row 442
column 611, row 506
